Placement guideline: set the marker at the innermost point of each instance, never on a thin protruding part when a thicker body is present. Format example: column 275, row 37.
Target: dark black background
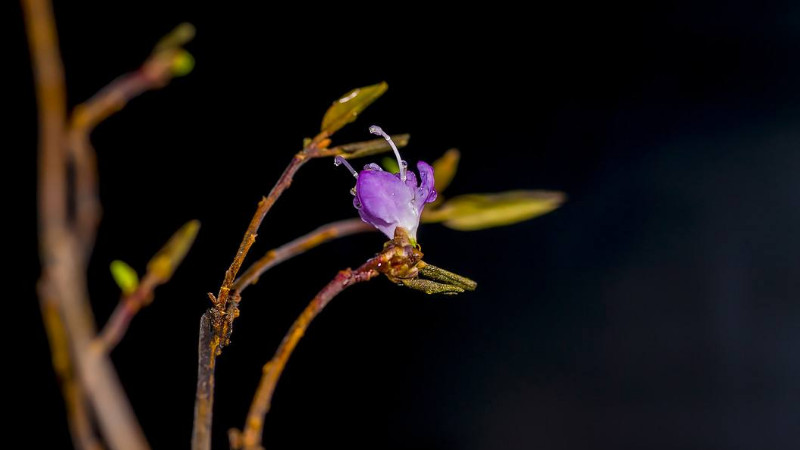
column 659, row 308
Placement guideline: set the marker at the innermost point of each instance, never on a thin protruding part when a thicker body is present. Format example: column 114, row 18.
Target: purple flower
column 386, row 200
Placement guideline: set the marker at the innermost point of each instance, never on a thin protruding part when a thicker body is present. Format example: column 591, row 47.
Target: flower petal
column 426, row 192
column 386, row 202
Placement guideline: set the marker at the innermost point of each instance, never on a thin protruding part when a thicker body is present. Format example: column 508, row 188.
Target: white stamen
column 376, row 130
column 338, row 161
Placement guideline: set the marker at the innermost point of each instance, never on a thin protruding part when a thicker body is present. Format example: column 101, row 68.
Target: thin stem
column 126, row 309
column 207, row 347
column 339, row 160
column 250, row 235
column 221, row 317
column 298, row 246
column 400, row 163
column 251, row 436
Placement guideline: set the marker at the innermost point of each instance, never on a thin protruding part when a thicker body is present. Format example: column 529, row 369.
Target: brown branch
column 221, row 317
column 252, row 230
column 210, row 341
column 204, row 398
column 250, row 438
column 126, row 309
column 298, row 246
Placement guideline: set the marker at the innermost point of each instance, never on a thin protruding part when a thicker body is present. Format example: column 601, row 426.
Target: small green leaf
column 431, row 287
column 390, row 165
column 444, row 169
column 479, row 211
column 350, row 105
column 125, row 277
column 182, row 63
column 164, row 263
column 447, row 277
column 366, row 148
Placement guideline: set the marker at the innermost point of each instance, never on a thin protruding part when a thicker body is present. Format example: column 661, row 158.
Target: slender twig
column 251, row 436
column 210, row 341
column 204, row 397
column 298, row 246
column 59, row 247
column 222, row 315
column 397, row 260
column 126, row 309
column 250, row 235
column 208, row 348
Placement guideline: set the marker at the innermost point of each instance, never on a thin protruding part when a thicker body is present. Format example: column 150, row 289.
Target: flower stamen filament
column 376, row 130
column 339, row 160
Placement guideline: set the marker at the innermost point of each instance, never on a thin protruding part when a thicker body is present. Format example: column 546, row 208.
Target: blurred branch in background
column 67, row 237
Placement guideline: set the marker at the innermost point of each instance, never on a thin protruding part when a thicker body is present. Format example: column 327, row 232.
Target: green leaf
column 164, row 263
column 479, row 211
column 390, row 165
column 350, row 105
column 444, row 169
column 182, row 63
column 366, row 148
column 125, row 277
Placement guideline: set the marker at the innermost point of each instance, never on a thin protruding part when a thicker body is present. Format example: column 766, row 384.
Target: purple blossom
column 386, row 200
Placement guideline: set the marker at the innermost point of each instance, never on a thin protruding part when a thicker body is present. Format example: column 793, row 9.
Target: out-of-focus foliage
column 163, row 264
column 182, row 63
column 479, row 211
column 125, row 277
column 444, row 169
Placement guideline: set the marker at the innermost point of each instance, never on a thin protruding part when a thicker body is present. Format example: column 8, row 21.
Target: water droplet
column 404, row 164
column 336, row 162
column 353, row 191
